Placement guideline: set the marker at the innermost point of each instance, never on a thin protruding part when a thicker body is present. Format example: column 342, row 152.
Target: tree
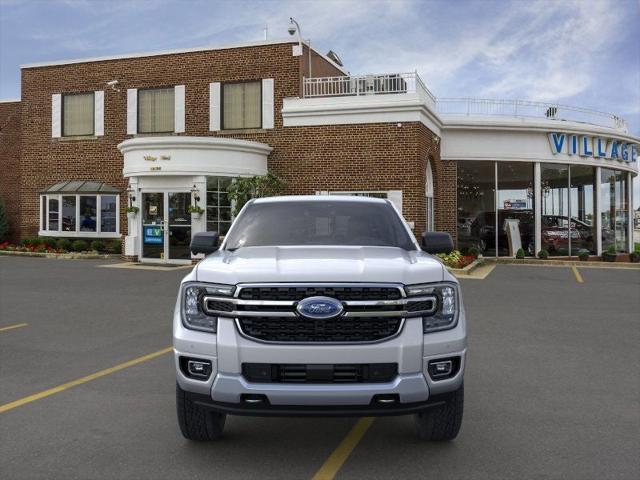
column 4, row 222
column 245, row 188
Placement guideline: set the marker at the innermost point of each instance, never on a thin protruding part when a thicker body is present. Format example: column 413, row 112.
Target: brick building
column 165, row 130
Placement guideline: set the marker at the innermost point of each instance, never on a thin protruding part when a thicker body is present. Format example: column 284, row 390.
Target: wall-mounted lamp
column 195, row 194
column 132, row 197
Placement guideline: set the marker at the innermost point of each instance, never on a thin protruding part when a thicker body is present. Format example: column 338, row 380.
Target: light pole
column 294, row 27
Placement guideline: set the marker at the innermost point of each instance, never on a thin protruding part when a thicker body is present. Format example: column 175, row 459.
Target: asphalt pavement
column 552, row 385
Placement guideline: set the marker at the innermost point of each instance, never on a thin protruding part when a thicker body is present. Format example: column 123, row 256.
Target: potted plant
column 131, row 212
column 610, row 255
column 583, row 255
column 195, row 211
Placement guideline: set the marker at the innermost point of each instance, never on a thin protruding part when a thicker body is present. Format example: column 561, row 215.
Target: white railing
column 525, row 108
column 357, row 85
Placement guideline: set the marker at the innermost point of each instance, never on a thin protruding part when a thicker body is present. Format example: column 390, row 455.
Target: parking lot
column 552, row 385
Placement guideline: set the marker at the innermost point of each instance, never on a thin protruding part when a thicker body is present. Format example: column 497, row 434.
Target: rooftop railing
column 528, row 109
column 401, row 83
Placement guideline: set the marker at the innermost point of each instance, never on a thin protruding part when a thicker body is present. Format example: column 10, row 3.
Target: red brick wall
column 10, row 164
column 340, row 157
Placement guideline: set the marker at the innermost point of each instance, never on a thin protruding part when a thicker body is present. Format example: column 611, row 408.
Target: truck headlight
column 446, row 315
column 193, row 315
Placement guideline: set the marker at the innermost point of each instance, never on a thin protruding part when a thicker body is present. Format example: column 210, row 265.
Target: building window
column 241, row 105
column 218, row 205
column 516, row 223
column 156, row 110
column 75, row 215
column 78, row 114
column 614, row 209
column 477, row 206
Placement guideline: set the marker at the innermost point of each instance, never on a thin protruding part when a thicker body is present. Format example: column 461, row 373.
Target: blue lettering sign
column 614, row 150
column 557, row 142
column 573, row 148
column 601, row 150
column 152, row 235
column 634, row 153
column 586, row 147
column 624, row 153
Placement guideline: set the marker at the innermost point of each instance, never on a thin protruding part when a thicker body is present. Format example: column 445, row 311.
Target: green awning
column 81, row 186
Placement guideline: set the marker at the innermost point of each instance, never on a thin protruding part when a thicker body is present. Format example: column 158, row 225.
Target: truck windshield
column 319, row 223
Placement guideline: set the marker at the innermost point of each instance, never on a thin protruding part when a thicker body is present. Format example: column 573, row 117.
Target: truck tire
column 442, row 423
column 196, row 422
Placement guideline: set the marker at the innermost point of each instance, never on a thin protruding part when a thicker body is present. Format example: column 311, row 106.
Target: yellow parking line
column 11, row 327
column 577, row 274
column 102, row 373
column 335, row 461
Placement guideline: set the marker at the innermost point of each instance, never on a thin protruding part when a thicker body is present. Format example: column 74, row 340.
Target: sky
column 584, row 53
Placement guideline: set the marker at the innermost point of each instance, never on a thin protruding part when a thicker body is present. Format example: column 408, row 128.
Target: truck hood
column 319, row 264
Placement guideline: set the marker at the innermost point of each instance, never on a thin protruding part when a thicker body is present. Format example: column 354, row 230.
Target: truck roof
column 319, row 198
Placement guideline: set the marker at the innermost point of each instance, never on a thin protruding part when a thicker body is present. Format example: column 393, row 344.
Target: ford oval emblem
column 319, row 308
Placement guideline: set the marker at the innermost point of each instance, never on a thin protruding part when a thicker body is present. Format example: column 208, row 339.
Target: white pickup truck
column 319, row 305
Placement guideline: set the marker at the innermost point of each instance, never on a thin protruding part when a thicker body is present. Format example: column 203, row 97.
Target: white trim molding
column 268, row 103
column 98, row 112
column 214, row 107
column 56, row 115
column 179, row 101
column 132, row 111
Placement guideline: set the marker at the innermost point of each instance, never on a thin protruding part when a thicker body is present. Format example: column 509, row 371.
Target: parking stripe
column 74, row 383
column 11, row 327
column 335, row 461
column 577, row 274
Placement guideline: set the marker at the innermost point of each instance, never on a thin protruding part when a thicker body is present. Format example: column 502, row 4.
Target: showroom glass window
column 581, row 204
column 54, row 212
column 69, row 213
column 108, row 213
column 88, row 213
column 218, row 204
column 241, row 105
column 554, row 219
column 516, row 221
column 614, row 209
column 476, row 206
column 156, row 110
column 77, row 114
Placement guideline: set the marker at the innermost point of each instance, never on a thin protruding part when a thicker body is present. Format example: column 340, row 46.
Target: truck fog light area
column 437, row 322
column 443, row 368
column 195, row 368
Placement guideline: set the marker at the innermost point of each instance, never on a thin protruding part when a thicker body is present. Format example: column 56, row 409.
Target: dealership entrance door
column 166, row 227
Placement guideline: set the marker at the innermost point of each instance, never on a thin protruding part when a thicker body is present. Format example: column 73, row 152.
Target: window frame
column 222, row 87
column 159, row 132
column 98, row 233
column 93, row 117
column 217, row 207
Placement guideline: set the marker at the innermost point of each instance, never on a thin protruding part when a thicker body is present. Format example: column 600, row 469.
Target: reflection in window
column 582, row 209
column 88, row 213
column 614, row 209
column 53, row 213
column 218, row 205
column 515, row 207
column 69, row 213
column 476, row 206
column 555, row 208
column 108, row 214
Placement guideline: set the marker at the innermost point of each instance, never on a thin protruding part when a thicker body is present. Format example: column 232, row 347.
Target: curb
column 468, row 269
column 565, row 263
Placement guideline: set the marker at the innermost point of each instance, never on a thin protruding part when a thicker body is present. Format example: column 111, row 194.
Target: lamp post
column 294, row 27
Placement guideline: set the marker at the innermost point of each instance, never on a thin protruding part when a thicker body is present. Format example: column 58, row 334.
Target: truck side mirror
column 437, row 242
column 204, row 242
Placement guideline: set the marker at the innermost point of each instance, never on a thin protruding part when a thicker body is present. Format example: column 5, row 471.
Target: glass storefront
column 477, row 206
column 516, row 221
column 500, row 223
column 614, row 209
column 218, row 205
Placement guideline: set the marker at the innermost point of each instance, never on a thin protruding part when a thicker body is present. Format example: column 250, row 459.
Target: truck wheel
column 196, row 422
column 443, row 422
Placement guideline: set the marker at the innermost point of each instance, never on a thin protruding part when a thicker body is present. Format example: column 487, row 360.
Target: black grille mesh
column 344, row 329
column 340, row 293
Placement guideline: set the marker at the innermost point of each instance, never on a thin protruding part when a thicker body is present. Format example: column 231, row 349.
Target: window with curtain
column 156, row 110
column 77, row 114
column 241, row 105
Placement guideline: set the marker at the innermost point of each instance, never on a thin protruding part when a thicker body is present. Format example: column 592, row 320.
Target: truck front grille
column 371, row 312
column 341, row 329
column 316, row 373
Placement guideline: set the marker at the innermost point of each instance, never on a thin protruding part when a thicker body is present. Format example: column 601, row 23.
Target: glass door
column 166, row 227
column 153, row 216
column 179, row 226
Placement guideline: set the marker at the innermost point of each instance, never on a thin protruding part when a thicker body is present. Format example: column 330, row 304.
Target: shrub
column 543, row 254
column 79, row 246
column 64, row 244
column 28, row 241
column 115, row 247
column 611, row 250
column 474, row 252
column 634, row 257
column 520, row 253
column 97, row 245
column 583, row 255
column 246, row 188
column 4, row 222
column 46, row 242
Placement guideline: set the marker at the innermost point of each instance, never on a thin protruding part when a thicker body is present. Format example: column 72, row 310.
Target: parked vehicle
column 320, row 306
